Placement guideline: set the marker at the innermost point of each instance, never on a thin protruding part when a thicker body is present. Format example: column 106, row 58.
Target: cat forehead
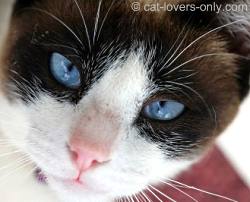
column 105, row 26
column 101, row 31
column 121, row 90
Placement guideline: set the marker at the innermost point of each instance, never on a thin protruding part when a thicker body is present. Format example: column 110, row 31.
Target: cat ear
column 237, row 28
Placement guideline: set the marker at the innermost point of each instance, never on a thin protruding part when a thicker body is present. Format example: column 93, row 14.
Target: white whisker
column 10, row 123
column 142, row 197
column 186, row 77
column 61, row 22
column 173, row 45
column 26, row 163
column 197, row 58
column 202, row 36
column 60, row 46
column 201, row 190
column 84, row 23
column 17, row 162
column 146, row 196
column 129, row 199
column 211, row 113
column 104, row 19
column 154, row 194
column 17, row 74
column 10, row 153
column 179, row 46
column 97, row 20
column 169, row 198
column 136, row 198
column 181, row 191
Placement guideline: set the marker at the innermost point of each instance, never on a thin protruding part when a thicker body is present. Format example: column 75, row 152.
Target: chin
column 105, row 185
column 88, row 191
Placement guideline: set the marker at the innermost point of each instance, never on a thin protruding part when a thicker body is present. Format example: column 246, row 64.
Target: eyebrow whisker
column 84, row 23
column 202, row 36
column 97, row 20
column 61, row 22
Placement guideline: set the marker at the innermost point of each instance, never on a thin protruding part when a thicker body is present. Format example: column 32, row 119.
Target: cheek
column 52, row 121
column 46, row 142
column 15, row 124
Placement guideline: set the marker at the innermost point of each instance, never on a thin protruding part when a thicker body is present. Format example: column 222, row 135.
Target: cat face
column 105, row 100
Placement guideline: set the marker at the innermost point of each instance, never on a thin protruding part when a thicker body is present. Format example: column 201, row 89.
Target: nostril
column 85, row 159
column 74, row 155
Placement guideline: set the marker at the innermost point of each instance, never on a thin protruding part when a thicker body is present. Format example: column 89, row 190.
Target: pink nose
column 86, row 156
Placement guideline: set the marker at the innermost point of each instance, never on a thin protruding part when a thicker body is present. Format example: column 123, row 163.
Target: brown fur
column 216, row 78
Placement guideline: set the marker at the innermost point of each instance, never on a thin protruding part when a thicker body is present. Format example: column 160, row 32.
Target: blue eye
column 64, row 71
column 164, row 110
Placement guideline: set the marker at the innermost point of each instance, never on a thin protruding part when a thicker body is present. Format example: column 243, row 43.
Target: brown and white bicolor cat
column 98, row 101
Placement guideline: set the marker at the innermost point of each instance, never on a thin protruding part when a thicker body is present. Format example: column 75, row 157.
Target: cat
column 98, row 101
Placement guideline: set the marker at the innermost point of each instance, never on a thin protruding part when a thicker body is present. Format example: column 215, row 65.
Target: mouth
column 76, row 184
column 42, row 178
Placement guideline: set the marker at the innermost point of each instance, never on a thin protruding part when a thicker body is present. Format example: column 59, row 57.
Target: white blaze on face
column 113, row 103
column 103, row 118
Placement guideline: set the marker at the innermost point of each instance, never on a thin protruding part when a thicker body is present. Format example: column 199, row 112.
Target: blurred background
column 5, row 6
column 225, row 170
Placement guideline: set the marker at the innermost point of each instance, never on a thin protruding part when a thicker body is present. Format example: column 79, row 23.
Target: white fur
column 42, row 130
column 39, row 132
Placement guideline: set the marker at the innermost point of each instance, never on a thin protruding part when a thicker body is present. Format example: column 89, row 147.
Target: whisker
column 77, row 56
column 142, row 197
column 10, row 144
column 20, row 126
column 173, row 45
column 61, row 22
column 146, row 196
column 196, row 58
column 202, row 36
column 132, row 199
column 17, row 74
column 61, row 46
column 9, row 153
column 27, row 163
column 25, row 176
column 18, row 161
column 212, row 114
column 31, row 172
column 105, row 18
column 168, row 197
column 201, row 190
column 84, row 23
column 122, row 199
column 136, row 198
column 128, row 198
column 24, row 86
column 186, row 77
column 154, row 194
column 97, row 20
column 179, row 46
column 181, row 191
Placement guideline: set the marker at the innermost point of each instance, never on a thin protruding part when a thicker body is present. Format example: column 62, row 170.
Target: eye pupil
column 70, row 67
column 64, row 71
column 164, row 110
column 162, row 103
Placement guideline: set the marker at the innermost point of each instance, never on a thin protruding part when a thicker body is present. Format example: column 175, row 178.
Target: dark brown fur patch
column 215, row 80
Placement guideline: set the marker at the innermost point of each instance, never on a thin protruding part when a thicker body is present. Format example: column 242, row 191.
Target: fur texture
column 127, row 59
